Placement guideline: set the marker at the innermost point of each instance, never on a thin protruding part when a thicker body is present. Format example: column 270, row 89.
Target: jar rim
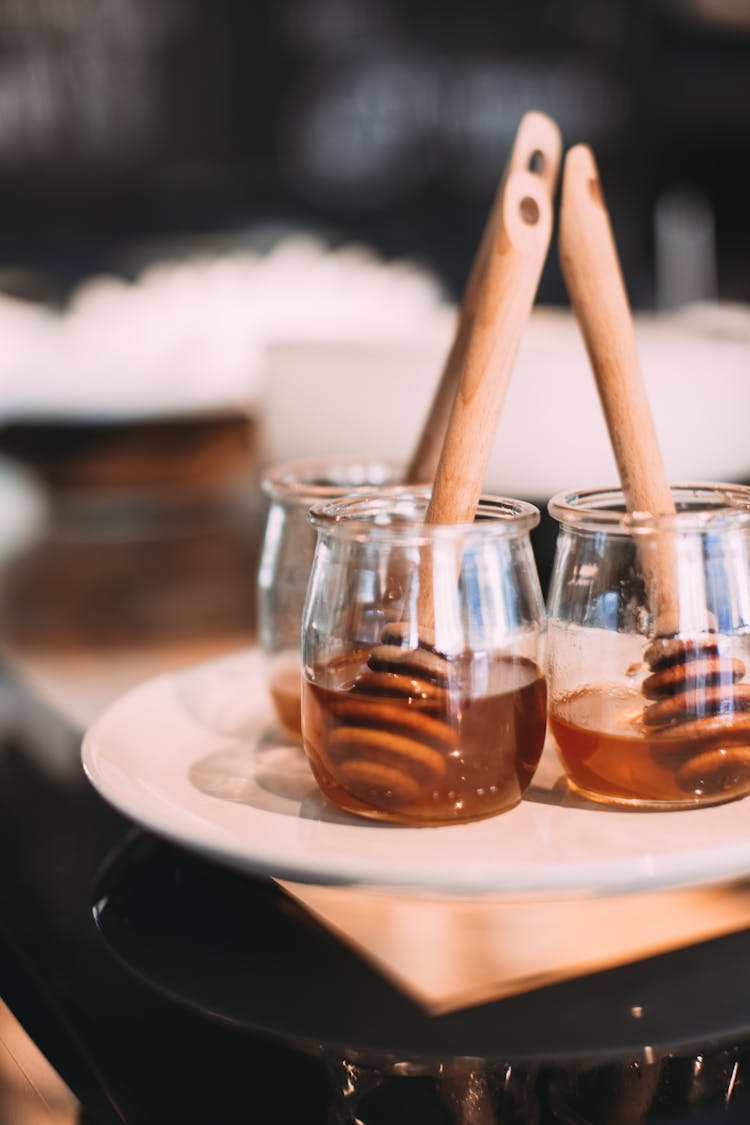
column 354, row 516
column 705, row 505
column 318, row 478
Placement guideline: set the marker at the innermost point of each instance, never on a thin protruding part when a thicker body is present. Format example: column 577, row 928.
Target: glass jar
column 286, row 558
column 649, row 647
column 422, row 696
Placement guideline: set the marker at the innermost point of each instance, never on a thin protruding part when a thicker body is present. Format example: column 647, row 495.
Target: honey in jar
column 611, row 755
column 284, row 688
column 648, row 647
column 419, row 752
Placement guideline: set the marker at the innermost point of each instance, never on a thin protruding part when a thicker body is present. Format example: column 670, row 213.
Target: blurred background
column 234, row 233
column 125, row 121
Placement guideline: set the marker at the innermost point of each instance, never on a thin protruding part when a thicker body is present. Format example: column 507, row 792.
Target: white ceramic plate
column 196, row 757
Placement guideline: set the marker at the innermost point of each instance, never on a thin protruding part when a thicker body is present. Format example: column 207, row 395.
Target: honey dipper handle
column 536, row 148
column 591, row 268
column 504, row 298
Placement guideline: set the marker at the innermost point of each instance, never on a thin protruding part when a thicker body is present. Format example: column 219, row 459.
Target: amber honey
column 424, row 758
column 609, row 755
column 285, row 689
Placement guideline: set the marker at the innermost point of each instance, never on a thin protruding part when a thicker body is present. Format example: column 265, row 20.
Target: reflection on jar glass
column 423, row 700
column 649, row 647
column 286, row 558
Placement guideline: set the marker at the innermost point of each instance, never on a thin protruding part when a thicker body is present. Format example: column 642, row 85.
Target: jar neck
column 700, row 508
column 398, row 515
column 313, row 481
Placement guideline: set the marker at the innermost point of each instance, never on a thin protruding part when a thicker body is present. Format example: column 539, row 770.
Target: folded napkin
column 453, row 953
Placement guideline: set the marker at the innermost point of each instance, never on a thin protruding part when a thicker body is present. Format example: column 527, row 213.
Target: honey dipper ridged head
column 665, row 652
column 400, row 751
column 399, row 685
column 410, row 662
column 720, row 769
column 679, row 677
column 693, row 705
column 358, row 710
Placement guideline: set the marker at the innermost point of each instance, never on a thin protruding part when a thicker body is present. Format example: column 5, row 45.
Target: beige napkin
column 449, row 954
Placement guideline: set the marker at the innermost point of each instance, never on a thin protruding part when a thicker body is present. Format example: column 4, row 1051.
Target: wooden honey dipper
column 537, row 148
column 385, row 743
column 692, row 689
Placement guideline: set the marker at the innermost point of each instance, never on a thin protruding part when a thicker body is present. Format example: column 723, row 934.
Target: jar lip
column 318, row 478
column 706, row 505
column 355, row 516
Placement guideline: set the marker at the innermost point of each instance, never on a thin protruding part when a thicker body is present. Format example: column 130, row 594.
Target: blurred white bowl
column 349, row 396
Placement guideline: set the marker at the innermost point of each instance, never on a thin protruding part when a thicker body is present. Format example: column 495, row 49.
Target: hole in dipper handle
column 537, row 162
column 529, row 209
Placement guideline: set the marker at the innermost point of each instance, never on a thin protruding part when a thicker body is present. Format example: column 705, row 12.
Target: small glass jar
column 649, row 647
column 422, row 696
column 286, row 558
